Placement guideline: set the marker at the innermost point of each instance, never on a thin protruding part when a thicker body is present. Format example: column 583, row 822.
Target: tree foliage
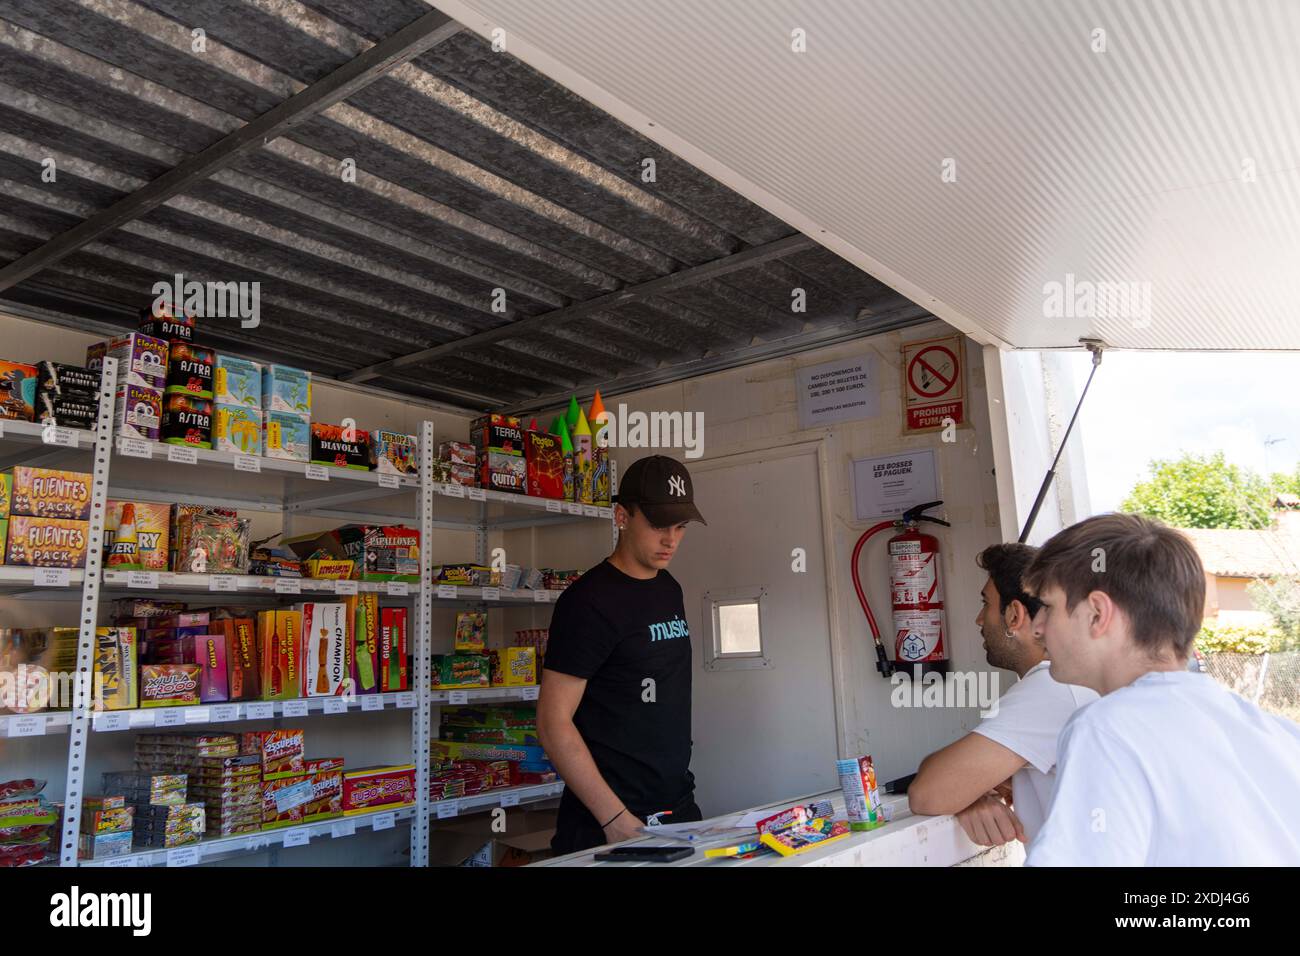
column 1198, row 491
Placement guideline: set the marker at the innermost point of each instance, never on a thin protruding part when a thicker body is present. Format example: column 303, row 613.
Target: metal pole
column 423, row 715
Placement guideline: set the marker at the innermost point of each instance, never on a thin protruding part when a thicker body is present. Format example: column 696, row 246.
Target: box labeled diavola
column 340, row 447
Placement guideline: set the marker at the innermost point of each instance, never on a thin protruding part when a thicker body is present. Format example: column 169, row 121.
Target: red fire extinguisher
column 916, row 594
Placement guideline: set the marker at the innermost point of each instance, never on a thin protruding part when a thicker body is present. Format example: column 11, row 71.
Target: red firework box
column 367, row 789
column 499, row 446
column 326, row 774
column 279, row 750
column 214, row 678
column 544, row 459
column 392, row 649
column 314, row 794
column 325, row 634
column 242, row 676
column 279, row 652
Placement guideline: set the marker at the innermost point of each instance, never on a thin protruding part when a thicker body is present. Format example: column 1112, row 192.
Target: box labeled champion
column 325, row 634
column 340, row 447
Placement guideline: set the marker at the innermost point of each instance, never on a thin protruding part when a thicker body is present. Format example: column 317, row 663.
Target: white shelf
column 33, row 433
column 506, row 796
column 15, row 579
column 209, row 850
column 486, row 695
column 135, row 581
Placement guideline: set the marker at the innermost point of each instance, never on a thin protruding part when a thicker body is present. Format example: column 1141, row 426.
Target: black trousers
column 576, row 829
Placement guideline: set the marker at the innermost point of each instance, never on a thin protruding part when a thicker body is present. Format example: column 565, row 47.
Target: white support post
column 422, row 717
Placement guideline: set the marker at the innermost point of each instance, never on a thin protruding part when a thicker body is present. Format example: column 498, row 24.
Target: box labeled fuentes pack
column 47, row 542
column 49, row 493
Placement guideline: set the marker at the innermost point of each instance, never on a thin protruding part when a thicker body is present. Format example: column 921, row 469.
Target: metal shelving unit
column 131, row 468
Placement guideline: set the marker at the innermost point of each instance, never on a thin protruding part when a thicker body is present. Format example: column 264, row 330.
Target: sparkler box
column 545, row 462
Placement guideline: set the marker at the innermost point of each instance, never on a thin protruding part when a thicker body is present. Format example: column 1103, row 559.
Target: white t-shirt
column 1174, row 770
column 1029, row 719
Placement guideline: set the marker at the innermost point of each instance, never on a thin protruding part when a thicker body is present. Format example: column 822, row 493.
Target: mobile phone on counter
column 644, row 854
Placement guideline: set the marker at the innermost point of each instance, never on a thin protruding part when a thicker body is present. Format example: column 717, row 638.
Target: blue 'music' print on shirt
column 667, row 630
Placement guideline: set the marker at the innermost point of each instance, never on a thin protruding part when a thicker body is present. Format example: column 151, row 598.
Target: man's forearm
column 568, row 751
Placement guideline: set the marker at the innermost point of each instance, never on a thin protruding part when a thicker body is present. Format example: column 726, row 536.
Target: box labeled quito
column 499, row 447
column 340, row 447
column 544, row 460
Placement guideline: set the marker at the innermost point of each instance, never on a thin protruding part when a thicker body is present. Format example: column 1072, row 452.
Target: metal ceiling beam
column 637, row 293
column 412, row 40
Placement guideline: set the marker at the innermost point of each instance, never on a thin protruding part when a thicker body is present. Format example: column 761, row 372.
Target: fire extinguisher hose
column 882, row 659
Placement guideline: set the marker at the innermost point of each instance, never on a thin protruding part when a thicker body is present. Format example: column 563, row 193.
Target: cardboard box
column 58, row 378
column 379, row 553
column 499, row 446
column 151, row 551
column 186, row 420
column 169, row 685
column 17, row 391
column 368, row 789
column 286, row 389
column 243, row 675
column 141, row 360
column 116, row 668
column 50, row 493
column 280, row 751
column 326, row 775
column 67, row 411
column 104, row 846
column 333, row 445
column 214, row 677
column 392, row 649
column 446, row 750
column 393, row 453
column 137, row 412
column 364, row 659
column 237, row 381
column 279, row 648
column 513, row 666
column 471, row 632
column 47, row 542
column 164, row 320
column 286, row 435
column 189, row 371
column 478, row 841
column 544, row 459
column 461, row 671
column 179, row 527
column 325, row 634
column 238, row 429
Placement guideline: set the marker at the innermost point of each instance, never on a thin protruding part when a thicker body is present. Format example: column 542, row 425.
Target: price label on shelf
column 198, row 715
column 182, row 455
column 288, row 586
column 385, row 821
column 345, row 587
column 52, row 577
column 317, row 473
column 223, row 582
column 295, row 708
column 223, row 712
column 572, row 509
column 390, row 481
column 336, row 705
column 509, row 799
column 590, row 511
column 183, row 856
column 554, row 505
column 170, row 717
column 372, row 702
column 28, row 725
column 606, row 512
column 540, row 596
column 135, row 447
column 458, row 697
column 343, row 828
column 447, row 591
column 54, row 435
column 123, row 861
column 492, row 594
column 530, row 693
column 145, row 580
column 144, row 718
column 406, row 699
column 260, row 711
column 448, row 809
column 297, row 838
column 455, row 490
column 248, row 463
column 476, row 494
column 110, row 722
column 397, row 588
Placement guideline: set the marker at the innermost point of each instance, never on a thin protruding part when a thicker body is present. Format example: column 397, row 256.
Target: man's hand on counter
column 626, row 827
column 990, row 822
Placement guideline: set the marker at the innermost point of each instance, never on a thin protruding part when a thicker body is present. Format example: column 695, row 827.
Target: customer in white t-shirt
column 1167, row 768
column 1016, row 744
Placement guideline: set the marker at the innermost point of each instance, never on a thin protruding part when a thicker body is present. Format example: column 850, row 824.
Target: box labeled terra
column 499, row 447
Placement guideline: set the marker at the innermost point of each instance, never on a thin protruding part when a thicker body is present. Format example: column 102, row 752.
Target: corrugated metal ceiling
column 473, row 173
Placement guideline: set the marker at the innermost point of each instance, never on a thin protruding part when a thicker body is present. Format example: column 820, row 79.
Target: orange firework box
column 279, row 750
column 378, row 788
column 326, row 788
column 241, row 656
column 279, row 647
column 47, row 542
column 50, row 493
column 314, row 794
column 545, row 461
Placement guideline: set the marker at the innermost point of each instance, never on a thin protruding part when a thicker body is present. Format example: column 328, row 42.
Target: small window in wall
column 735, row 620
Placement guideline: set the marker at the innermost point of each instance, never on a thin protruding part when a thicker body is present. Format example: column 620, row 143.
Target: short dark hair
column 1151, row 572
column 1006, row 564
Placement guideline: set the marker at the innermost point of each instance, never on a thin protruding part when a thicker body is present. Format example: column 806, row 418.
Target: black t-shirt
column 617, row 632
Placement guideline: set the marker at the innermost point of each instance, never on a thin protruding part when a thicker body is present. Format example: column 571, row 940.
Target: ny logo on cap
column 676, row 486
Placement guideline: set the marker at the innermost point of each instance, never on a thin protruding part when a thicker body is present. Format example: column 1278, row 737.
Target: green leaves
column 1197, row 491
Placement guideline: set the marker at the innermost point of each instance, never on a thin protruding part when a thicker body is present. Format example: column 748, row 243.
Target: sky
column 1145, row 405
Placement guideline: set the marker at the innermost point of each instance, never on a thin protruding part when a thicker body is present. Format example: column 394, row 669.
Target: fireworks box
column 280, row 751
column 496, row 716
column 513, row 666
column 137, row 411
column 237, row 428
column 243, row 677
column 189, row 371
column 600, row 481
column 286, row 389
column 104, row 846
column 56, row 378
column 471, row 632
column 444, row 751
column 67, row 411
column 326, row 775
column 17, row 391
column 499, row 444
column 340, row 447
column 186, row 420
column 181, row 527
column 364, row 611
column 237, row 381
column 544, row 460
column 379, row 552
column 286, row 435
column 393, row 453
column 460, row 461
column 325, row 634
column 214, row 676
column 169, row 685
column 116, row 668
column 47, row 542
column 279, row 648
column 141, row 359
column 152, row 534
column 460, row 671
column 162, row 322
column 49, row 493
column 378, row 788
column 392, row 649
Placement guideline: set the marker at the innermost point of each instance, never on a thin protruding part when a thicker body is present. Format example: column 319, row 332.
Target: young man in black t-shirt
column 614, row 712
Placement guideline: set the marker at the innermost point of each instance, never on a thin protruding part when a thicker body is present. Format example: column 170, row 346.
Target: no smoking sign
column 934, row 384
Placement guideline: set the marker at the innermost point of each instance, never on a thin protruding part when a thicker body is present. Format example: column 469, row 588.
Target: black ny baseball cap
column 661, row 487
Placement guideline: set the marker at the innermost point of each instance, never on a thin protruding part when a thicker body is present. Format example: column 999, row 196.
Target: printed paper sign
column 934, row 384
column 888, row 486
column 840, row 391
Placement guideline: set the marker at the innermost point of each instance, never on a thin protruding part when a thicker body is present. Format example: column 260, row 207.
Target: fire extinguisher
column 916, row 594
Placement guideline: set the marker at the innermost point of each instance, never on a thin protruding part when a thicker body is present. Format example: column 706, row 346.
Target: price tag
column 288, row 586
column 372, row 702
column 385, row 821
column 541, row 597
column 476, row 494
column 455, row 490
column 492, row 594
column 606, row 512
column 224, row 712
column 297, row 838
column 458, row 697
column 28, row 725
column 135, row 448
column 260, row 711
column 343, row 828
column 390, row 481
column 146, row 580
column 336, row 705
column 590, row 511
column 295, row 708
column 509, row 799
column 295, row 796
column 248, row 463
column 53, row 435
column 170, row 717
column 398, row 588
column 553, row 505
column 182, row 455
column 345, row 587
column 123, row 861
column 572, row 509
column 144, row 718
column 197, row 715
column 530, row 693
column 183, row 856
column 223, row 582
column 447, row 591
column 448, row 809
column 317, row 473
column 52, row 577
column 2, row 428
column 111, row 722
column 406, row 699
